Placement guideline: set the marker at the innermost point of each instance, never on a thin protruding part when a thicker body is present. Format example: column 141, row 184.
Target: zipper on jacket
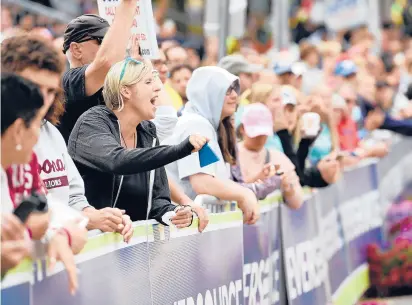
column 121, row 178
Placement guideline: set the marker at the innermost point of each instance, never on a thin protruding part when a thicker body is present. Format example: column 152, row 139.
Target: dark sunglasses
column 233, row 87
column 98, row 39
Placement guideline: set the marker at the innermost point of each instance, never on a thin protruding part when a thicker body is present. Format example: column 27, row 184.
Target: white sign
column 143, row 24
column 345, row 14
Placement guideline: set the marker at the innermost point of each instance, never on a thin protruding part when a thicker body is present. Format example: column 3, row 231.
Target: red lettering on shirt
column 52, row 166
column 23, row 179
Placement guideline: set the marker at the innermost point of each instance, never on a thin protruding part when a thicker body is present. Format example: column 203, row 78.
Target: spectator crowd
column 115, row 138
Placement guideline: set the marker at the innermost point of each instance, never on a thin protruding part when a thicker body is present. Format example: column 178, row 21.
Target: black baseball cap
column 83, row 27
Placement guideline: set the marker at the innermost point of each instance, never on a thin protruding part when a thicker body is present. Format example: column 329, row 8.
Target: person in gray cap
column 239, row 66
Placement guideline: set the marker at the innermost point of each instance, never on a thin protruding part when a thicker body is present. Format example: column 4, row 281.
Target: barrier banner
column 143, row 24
column 333, row 244
column 261, row 259
column 191, row 268
column 316, row 253
column 305, row 265
column 110, row 272
column 278, row 279
column 359, row 208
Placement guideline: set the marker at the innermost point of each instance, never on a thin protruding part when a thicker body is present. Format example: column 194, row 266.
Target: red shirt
column 348, row 134
column 23, row 179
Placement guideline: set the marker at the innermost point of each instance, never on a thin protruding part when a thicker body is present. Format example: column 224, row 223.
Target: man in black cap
column 92, row 47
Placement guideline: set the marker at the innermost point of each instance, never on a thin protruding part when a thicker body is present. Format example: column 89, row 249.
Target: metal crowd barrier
column 313, row 255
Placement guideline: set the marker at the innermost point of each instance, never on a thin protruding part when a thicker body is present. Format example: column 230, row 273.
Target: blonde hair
column 124, row 73
column 260, row 92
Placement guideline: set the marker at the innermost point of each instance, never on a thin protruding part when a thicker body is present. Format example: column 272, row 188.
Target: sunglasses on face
column 233, row 87
column 99, row 40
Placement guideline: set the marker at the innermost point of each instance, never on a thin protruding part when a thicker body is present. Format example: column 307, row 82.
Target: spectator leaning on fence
column 165, row 121
column 256, row 164
column 37, row 60
column 22, row 111
column 213, row 94
column 115, row 146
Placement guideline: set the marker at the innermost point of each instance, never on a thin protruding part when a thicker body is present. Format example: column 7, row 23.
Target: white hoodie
column 57, row 169
column 206, row 93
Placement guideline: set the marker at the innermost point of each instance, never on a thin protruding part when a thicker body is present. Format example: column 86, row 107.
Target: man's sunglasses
column 98, row 39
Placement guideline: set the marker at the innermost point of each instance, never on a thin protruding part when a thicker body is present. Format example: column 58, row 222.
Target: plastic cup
column 311, row 124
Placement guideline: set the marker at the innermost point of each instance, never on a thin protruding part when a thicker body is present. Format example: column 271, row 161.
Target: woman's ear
column 125, row 92
column 17, row 132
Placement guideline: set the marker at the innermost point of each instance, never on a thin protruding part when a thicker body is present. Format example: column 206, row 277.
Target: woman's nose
column 157, row 86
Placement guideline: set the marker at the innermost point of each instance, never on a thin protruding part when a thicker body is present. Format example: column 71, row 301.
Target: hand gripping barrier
column 314, row 255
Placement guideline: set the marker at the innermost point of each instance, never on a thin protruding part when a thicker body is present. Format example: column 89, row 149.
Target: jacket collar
column 146, row 126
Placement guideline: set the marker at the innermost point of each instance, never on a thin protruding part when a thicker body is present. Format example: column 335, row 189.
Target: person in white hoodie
column 213, row 97
column 37, row 60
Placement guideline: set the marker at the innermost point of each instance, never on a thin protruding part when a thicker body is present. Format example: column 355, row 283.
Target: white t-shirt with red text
column 57, row 169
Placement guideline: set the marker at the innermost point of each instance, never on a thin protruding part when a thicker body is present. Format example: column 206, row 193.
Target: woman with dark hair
column 213, row 97
column 37, row 60
column 22, row 112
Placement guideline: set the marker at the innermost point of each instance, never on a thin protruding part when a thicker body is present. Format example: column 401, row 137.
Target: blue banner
column 261, row 274
column 333, row 243
column 312, row 256
column 305, row 265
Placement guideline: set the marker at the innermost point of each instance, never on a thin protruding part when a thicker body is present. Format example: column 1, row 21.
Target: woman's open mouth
column 153, row 100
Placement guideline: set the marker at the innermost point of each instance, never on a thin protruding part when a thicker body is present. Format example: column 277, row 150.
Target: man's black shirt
column 77, row 102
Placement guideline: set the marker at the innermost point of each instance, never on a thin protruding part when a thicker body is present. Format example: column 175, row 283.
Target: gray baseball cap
column 237, row 64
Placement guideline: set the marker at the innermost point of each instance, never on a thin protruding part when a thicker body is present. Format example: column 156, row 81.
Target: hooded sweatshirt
column 206, row 91
column 57, row 170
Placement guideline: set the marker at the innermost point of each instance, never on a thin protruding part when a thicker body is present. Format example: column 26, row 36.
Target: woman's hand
column 198, row 142
column 38, row 224
column 12, row 253
column 59, row 250
column 287, row 182
column 127, row 230
column 106, row 220
column 183, row 218
column 267, row 172
column 13, row 246
column 78, row 235
column 11, row 228
column 249, row 206
column 202, row 215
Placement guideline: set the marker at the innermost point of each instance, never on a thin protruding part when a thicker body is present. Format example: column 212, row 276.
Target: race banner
column 312, row 256
column 143, row 24
column 305, row 264
column 333, row 244
column 109, row 271
column 261, row 269
column 191, row 268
